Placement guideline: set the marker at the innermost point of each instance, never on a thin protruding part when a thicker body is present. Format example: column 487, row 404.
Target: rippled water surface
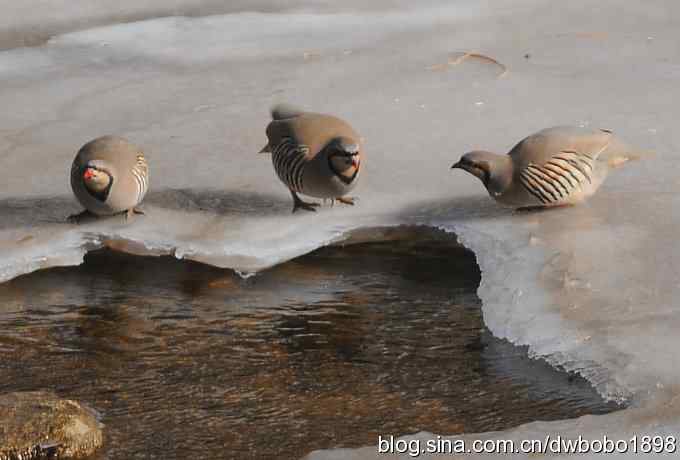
column 328, row 350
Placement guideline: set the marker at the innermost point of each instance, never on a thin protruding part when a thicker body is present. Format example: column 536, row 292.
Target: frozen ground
column 590, row 288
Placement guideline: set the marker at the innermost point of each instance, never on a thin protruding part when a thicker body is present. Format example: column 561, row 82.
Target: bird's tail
column 619, row 159
column 283, row 111
column 615, row 153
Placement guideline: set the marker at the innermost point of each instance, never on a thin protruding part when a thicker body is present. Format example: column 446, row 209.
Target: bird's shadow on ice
column 483, row 207
column 456, row 208
column 24, row 212
column 220, row 202
column 558, row 224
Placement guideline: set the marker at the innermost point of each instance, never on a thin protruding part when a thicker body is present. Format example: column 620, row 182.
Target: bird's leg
column 346, row 200
column 299, row 204
column 78, row 218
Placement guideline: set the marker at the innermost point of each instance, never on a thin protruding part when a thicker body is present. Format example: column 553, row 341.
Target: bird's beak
column 457, row 166
column 265, row 149
column 88, row 174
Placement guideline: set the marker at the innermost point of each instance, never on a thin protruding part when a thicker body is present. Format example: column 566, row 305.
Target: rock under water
column 37, row 424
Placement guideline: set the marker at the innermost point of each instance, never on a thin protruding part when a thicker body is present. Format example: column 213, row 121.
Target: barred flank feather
column 141, row 174
column 558, row 178
column 289, row 161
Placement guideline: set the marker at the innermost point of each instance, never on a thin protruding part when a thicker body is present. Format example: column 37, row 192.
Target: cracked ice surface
column 591, row 288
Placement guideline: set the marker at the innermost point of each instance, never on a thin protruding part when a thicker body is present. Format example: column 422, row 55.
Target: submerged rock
column 39, row 424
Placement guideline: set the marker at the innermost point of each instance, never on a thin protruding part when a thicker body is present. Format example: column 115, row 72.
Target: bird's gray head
column 344, row 158
column 495, row 171
column 98, row 178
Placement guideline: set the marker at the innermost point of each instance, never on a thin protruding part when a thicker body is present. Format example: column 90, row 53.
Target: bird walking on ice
column 109, row 176
column 314, row 154
column 557, row 166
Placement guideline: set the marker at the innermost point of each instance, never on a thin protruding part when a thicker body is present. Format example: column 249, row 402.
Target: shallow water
column 328, row 350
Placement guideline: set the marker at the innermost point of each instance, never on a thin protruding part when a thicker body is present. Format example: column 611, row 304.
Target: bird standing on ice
column 313, row 154
column 557, row 166
column 109, row 176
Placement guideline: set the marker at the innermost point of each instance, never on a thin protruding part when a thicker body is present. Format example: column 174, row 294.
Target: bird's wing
column 303, row 134
column 140, row 174
column 561, row 175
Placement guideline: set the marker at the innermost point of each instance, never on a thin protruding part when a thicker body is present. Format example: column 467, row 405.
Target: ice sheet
column 589, row 288
column 32, row 22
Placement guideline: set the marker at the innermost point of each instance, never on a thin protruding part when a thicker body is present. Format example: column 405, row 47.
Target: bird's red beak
column 88, row 174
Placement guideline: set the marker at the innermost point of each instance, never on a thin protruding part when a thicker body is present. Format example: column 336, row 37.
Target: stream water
column 332, row 349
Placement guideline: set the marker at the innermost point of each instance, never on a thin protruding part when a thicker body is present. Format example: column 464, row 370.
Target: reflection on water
column 328, row 350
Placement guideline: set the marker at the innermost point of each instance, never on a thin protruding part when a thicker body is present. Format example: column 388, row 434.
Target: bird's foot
column 138, row 211
column 350, row 200
column 305, row 205
column 299, row 204
column 80, row 217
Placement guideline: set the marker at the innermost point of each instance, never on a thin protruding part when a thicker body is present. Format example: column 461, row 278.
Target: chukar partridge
column 314, row 154
column 109, row 176
column 557, row 166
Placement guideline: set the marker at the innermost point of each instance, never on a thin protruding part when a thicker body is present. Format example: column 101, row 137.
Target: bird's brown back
column 543, row 145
